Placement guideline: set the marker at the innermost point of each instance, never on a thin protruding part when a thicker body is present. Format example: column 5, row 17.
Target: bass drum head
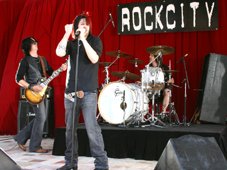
column 110, row 102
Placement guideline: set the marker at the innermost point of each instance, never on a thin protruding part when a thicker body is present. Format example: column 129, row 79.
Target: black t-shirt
column 87, row 71
column 30, row 69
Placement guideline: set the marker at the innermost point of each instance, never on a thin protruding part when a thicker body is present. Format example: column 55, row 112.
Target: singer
column 90, row 49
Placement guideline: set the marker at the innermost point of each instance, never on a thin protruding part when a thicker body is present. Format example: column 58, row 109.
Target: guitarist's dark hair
column 27, row 43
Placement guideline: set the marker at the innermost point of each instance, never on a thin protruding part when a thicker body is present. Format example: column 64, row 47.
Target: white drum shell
column 111, row 98
column 152, row 78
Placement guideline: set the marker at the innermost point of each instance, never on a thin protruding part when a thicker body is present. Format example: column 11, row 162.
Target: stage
column 146, row 143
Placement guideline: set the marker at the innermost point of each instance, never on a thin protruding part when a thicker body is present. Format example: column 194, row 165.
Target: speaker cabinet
column 6, row 163
column 214, row 85
column 192, row 152
column 26, row 115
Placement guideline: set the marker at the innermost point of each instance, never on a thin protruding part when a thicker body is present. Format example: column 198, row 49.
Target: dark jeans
column 34, row 130
column 88, row 104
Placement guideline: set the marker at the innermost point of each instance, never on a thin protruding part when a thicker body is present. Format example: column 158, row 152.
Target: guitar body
column 35, row 97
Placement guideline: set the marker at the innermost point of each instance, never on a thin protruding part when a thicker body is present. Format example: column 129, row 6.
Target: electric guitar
column 37, row 97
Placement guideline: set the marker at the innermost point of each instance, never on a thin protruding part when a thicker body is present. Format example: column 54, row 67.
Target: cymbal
column 126, row 74
column 118, row 54
column 170, row 71
column 136, row 61
column 160, row 48
column 104, row 63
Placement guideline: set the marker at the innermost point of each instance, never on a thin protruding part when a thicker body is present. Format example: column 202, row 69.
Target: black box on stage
column 26, row 115
column 213, row 99
column 7, row 163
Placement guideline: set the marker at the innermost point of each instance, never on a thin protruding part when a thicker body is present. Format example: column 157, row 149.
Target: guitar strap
column 43, row 66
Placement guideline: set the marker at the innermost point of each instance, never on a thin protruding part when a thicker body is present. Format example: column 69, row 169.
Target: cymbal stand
column 107, row 79
column 106, row 70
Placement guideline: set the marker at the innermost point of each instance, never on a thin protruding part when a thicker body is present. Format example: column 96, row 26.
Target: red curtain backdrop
column 45, row 20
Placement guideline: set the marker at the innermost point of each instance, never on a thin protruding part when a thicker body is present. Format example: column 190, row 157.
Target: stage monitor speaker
column 6, row 163
column 26, row 115
column 192, row 152
column 214, row 85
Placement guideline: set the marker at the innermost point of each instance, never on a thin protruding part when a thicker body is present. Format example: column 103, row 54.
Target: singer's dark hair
column 77, row 20
column 27, row 44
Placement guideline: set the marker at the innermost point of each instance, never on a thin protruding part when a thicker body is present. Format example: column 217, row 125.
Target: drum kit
column 128, row 104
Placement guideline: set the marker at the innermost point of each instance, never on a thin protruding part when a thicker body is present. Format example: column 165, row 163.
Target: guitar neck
column 54, row 74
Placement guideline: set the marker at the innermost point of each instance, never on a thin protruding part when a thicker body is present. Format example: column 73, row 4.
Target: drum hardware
column 153, row 119
column 107, row 65
column 173, row 113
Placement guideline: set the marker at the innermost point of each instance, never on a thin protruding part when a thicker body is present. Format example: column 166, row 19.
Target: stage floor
column 46, row 161
column 145, row 143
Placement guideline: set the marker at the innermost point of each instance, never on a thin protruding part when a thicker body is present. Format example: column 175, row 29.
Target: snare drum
column 152, row 78
column 114, row 95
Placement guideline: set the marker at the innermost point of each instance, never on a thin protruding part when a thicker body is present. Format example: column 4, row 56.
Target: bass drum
column 118, row 101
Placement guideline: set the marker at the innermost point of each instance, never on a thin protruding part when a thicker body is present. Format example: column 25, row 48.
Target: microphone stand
column 75, row 105
column 186, row 85
column 105, row 26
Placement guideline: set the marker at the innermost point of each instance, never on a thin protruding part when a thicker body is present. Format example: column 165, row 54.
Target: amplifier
column 26, row 115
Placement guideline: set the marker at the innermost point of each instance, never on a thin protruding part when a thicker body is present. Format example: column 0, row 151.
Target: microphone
column 77, row 33
column 136, row 62
column 182, row 58
column 111, row 18
column 136, row 65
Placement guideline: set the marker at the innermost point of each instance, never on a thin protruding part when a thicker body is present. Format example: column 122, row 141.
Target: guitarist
column 32, row 68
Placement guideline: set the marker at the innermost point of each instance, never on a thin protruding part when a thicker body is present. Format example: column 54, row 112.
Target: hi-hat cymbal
column 136, row 61
column 126, row 74
column 160, row 48
column 118, row 54
column 170, row 71
column 104, row 63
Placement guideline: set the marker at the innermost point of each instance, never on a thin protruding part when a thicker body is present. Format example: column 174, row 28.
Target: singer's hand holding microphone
column 80, row 33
